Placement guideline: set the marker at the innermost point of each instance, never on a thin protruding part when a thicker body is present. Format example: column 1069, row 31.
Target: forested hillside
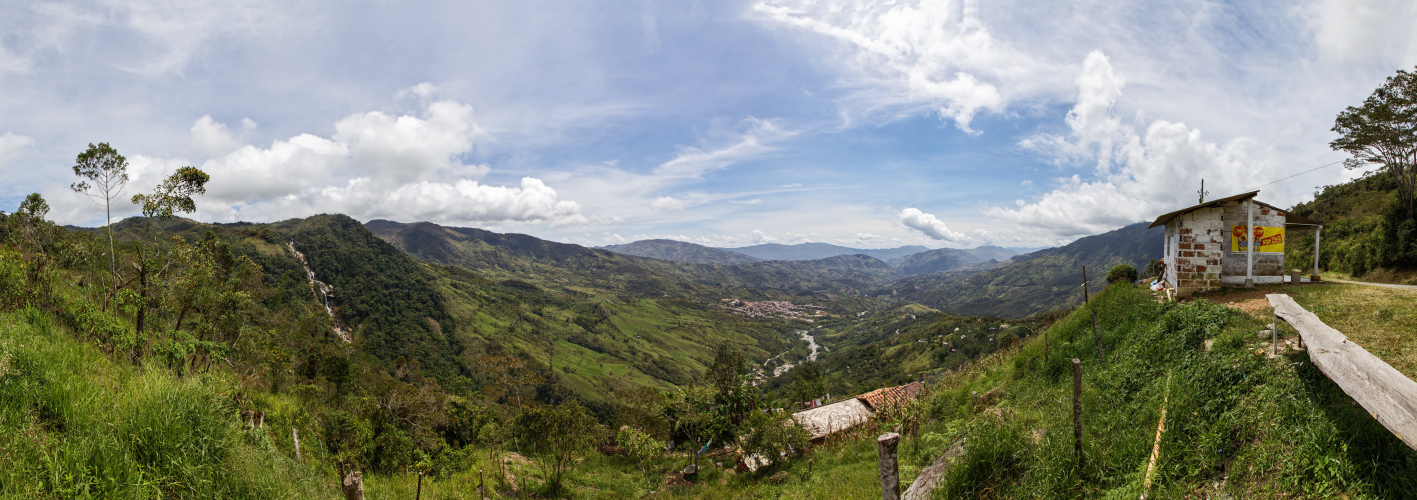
column 1367, row 232
column 1041, row 281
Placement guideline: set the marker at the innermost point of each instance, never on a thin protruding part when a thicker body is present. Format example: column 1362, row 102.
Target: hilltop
column 679, row 251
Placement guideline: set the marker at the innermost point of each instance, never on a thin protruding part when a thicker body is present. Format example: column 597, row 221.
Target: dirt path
column 1384, row 285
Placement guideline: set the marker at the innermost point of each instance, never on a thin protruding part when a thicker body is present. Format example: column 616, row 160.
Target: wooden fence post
column 890, row 472
column 481, row 486
column 418, row 494
column 1077, row 409
column 1045, row 346
column 1085, row 298
column 295, row 438
column 1274, row 334
column 353, row 486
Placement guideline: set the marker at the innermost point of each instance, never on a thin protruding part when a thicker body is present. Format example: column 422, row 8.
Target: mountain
column 815, row 251
column 1037, row 282
column 679, row 251
column 988, row 253
column 578, row 269
column 933, row 261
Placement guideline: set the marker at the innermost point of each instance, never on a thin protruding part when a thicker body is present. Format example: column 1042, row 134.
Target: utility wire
column 1295, row 175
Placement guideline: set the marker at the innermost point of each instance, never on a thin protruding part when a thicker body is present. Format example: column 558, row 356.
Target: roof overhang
column 1161, row 221
column 1290, row 219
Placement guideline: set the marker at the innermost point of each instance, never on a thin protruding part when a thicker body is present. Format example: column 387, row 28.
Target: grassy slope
column 1251, row 426
column 74, row 424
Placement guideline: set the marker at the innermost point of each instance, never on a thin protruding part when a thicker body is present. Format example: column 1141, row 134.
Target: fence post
column 890, row 473
column 353, row 486
column 1274, row 335
column 295, row 438
column 1077, row 409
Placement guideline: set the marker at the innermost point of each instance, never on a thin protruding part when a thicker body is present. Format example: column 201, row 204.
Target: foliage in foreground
column 1238, row 422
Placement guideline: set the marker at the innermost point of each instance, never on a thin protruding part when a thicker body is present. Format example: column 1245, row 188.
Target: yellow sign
column 1271, row 239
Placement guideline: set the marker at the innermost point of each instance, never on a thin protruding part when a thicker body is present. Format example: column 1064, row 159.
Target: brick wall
column 1200, row 249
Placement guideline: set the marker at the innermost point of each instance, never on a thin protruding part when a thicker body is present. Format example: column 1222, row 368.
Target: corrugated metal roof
column 1289, row 218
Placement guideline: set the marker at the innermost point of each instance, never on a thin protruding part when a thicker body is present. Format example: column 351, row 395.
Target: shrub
column 1123, row 273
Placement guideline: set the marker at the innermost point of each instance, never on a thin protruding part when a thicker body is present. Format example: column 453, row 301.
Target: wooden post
column 418, row 493
column 890, row 472
column 481, row 486
column 809, row 466
column 353, row 486
column 1045, row 346
column 1077, row 409
column 295, row 438
column 1274, row 335
column 1085, row 299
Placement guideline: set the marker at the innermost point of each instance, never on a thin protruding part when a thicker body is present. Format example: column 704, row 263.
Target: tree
column 1123, row 273
column 807, row 381
column 108, row 172
column 1383, row 132
column 774, row 435
column 556, row 436
column 171, row 196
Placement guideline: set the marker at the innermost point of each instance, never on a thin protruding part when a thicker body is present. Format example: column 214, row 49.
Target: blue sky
column 728, row 123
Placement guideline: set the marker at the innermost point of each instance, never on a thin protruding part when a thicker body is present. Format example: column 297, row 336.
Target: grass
column 1245, row 425
column 74, row 424
column 1382, row 320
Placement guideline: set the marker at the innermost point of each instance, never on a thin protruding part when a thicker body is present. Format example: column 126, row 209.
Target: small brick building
column 1207, row 246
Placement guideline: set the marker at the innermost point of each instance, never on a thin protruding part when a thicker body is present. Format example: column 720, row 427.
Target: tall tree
column 171, row 196
column 107, row 170
column 1383, row 132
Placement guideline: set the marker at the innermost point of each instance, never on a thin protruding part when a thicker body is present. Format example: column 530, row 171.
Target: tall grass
column 74, row 424
column 1247, row 424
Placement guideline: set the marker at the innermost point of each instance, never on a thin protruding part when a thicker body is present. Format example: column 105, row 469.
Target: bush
column 1124, row 273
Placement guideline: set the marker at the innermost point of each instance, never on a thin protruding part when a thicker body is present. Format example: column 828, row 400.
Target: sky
column 727, row 123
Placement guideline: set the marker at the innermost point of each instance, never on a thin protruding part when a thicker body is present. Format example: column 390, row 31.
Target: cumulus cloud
column 11, row 143
column 667, row 203
column 914, row 55
column 1137, row 174
column 211, row 138
column 375, row 165
column 929, row 224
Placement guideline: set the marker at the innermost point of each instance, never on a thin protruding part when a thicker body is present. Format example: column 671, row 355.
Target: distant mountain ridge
column 816, row 251
column 681, row 251
column 1036, row 282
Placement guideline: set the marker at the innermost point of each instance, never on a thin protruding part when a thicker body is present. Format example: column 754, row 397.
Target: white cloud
column 165, row 35
column 667, row 203
column 11, row 143
column 211, row 138
column 1137, row 174
column 375, row 165
column 929, row 224
column 915, row 55
column 1364, row 30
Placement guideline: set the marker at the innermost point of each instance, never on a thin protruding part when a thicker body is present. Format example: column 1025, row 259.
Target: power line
column 1295, row 175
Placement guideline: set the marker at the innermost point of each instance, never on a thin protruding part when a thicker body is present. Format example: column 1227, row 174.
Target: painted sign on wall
column 1268, row 239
